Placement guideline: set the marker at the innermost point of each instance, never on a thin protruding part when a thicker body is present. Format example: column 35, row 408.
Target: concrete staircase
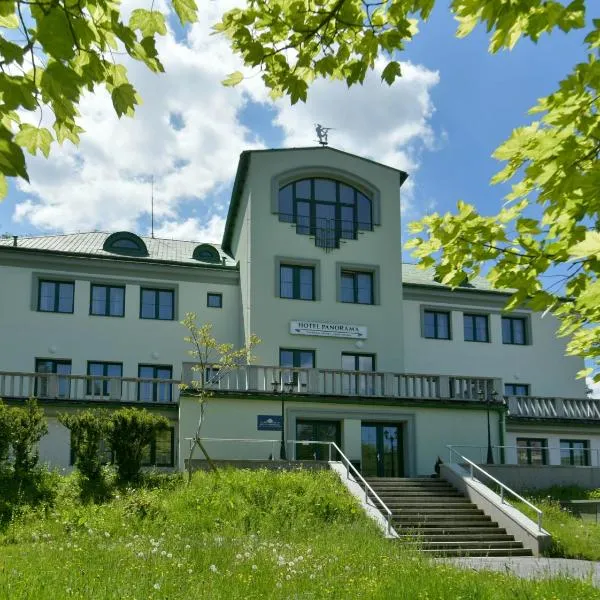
column 437, row 518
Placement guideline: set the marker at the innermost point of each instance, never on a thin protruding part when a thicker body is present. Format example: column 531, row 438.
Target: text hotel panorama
column 343, row 330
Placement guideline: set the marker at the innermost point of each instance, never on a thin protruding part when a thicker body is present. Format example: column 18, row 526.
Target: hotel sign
column 342, row 330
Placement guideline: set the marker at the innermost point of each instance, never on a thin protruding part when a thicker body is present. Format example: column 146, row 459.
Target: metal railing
column 512, row 457
column 503, row 487
column 55, row 386
column 332, row 447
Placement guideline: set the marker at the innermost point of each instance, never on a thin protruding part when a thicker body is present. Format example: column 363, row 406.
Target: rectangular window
column 56, row 296
column 357, row 383
column 107, row 300
column 514, row 330
column 516, row 389
column 296, row 282
column 575, row 453
column 157, row 304
column 161, row 450
column 532, row 451
column 357, row 287
column 476, row 328
column 52, row 387
column 104, row 452
column 436, row 324
column 214, row 300
column 155, row 391
column 299, row 359
column 96, row 369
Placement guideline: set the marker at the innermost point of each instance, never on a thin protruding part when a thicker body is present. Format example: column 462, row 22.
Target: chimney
column 15, row 237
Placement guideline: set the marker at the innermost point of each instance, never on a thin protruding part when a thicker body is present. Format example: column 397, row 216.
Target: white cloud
column 595, row 387
column 188, row 136
column 193, row 230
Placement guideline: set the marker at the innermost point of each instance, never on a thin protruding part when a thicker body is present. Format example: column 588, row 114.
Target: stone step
column 483, row 529
column 442, row 519
column 476, row 545
column 405, row 479
column 433, row 512
column 481, row 552
column 401, row 504
column 490, row 536
column 419, row 494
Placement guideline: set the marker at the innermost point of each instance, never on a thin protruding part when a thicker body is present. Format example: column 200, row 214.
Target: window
column 52, row 387
column 532, row 451
column 514, row 330
column 356, row 383
column 102, row 387
column 356, row 287
column 296, row 282
column 107, row 300
column 516, row 389
column 124, row 242
column 436, row 325
column 327, row 209
column 155, row 391
column 206, row 253
column 575, row 453
column 214, row 300
column 297, row 359
column 104, row 452
column 476, row 328
column 157, row 304
column 161, row 450
column 56, row 296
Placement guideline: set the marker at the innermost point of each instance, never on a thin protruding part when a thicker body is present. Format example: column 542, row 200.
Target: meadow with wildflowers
column 231, row 535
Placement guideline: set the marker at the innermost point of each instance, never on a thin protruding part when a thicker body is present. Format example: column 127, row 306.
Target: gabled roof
column 91, row 244
column 242, row 170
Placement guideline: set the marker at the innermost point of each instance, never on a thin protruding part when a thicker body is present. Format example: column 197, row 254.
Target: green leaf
column 187, row 10
column 34, row 139
column 3, row 186
column 148, row 22
column 124, row 98
column 391, row 71
column 589, row 247
column 10, row 21
column 233, row 79
column 55, row 35
column 12, row 159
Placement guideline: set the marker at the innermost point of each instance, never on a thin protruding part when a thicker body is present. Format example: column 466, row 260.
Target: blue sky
column 457, row 104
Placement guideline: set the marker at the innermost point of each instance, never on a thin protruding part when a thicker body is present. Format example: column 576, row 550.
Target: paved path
column 533, row 567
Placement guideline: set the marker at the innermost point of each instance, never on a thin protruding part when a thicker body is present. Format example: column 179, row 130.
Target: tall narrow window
column 155, row 391
column 56, row 296
column 358, row 383
column 357, row 287
column 476, row 328
column 514, row 330
column 297, row 282
column 436, row 324
column 107, row 300
column 157, row 304
column 296, row 359
column 98, row 385
column 160, row 452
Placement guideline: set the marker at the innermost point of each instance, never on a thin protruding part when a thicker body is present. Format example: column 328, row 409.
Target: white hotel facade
column 363, row 350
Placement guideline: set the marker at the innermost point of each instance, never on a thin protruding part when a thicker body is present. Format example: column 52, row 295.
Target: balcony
column 537, row 407
column 51, row 386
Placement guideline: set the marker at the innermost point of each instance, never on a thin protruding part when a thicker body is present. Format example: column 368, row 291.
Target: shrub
column 28, row 425
column 88, row 428
column 130, row 431
column 5, row 433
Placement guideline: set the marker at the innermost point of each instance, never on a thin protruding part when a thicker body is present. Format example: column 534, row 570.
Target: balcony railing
column 337, row 382
column 52, row 386
column 554, row 408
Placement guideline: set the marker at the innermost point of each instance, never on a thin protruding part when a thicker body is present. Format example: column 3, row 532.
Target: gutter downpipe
column 502, row 432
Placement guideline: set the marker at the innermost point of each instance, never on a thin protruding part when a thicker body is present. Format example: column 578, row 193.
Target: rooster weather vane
column 322, row 134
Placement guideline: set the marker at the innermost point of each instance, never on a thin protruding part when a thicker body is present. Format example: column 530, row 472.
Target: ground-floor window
column 318, row 431
column 532, row 451
column 381, row 450
column 161, row 451
column 575, row 453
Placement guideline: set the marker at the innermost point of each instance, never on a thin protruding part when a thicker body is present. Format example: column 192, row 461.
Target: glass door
column 381, row 454
column 318, row 431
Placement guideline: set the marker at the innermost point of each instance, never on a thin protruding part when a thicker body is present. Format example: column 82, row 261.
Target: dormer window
column 327, row 209
column 124, row 242
column 206, row 253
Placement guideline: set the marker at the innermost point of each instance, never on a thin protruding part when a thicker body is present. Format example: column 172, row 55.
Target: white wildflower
column 213, row 568
column 157, row 586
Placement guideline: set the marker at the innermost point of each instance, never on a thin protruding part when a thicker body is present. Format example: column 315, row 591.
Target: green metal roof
column 240, row 179
column 91, row 244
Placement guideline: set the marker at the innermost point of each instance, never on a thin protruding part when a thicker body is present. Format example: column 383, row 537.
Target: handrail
column 503, row 486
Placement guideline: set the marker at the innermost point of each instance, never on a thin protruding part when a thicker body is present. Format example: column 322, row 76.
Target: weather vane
column 322, row 134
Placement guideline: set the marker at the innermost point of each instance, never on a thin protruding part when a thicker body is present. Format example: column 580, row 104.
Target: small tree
column 211, row 361
column 28, row 426
column 5, row 432
column 130, row 430
column 88, row 428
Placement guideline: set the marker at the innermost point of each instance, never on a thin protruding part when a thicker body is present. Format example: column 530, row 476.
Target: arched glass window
column 206, row 253
column 327, row 209
column 124, row 242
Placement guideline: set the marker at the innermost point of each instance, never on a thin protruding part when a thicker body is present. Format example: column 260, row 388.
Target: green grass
column 239, row 534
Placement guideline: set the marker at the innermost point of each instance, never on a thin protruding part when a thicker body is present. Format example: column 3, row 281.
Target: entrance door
column 381, row 450
column 318, row 431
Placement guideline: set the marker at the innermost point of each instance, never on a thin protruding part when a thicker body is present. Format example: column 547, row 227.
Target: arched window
column 327, row 209
column 206, row 253
column 124, row 242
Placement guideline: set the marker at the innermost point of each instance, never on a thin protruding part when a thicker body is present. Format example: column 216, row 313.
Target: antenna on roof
column 152, row 207
column 322, row 134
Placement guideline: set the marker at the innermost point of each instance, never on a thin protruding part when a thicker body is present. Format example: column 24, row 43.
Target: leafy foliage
column 130, row 430
column 51, row 51
column 88, row 428
column 28, row 426
column 5, row 433
column 552, row 162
